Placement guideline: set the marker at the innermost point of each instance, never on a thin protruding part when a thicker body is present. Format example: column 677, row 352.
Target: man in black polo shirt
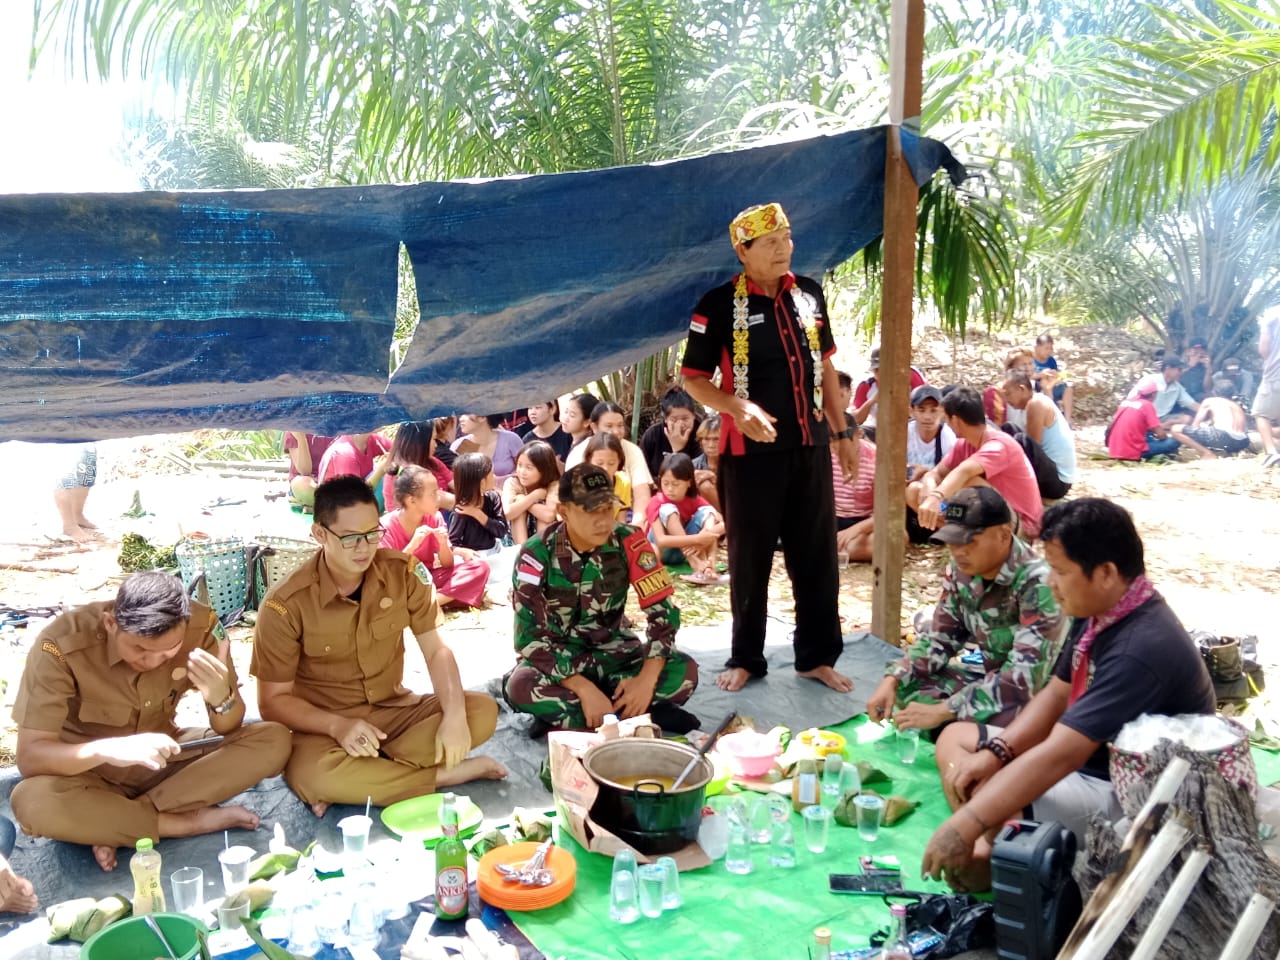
column 768, row 332
column 1126, row 655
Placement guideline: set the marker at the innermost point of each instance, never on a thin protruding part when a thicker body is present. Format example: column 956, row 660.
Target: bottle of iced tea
column 148, row 891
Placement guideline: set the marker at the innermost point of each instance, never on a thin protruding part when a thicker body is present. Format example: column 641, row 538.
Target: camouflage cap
column 588, row 487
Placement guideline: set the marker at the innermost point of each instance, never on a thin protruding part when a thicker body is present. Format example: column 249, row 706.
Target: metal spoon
column 155, row 928
column 702, row 750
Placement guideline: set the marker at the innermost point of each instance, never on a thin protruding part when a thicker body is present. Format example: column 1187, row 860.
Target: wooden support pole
column 1252, row 922
column 906, row 54
column 1171, row 905
column 1128, row 897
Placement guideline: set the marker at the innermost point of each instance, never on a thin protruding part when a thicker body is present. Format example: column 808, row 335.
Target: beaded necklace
column 806, row 313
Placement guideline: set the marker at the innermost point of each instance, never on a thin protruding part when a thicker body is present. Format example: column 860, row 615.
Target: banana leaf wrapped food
column 81, row 918
column 489, row 840
column 531, row 825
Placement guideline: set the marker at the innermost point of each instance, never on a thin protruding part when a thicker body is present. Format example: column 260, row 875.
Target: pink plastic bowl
column 748, row 753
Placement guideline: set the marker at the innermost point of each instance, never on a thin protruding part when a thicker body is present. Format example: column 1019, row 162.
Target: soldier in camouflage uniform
column 996, row 595
column 577, row 659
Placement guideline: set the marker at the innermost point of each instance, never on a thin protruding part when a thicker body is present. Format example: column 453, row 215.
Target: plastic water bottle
column 148, row 892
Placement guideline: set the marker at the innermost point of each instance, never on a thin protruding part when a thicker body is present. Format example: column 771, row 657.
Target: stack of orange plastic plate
column 511, row 896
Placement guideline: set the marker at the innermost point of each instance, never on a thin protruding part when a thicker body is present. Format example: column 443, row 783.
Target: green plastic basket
column 221, row 566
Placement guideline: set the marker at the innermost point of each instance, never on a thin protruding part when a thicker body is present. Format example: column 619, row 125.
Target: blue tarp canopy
column 123, row 314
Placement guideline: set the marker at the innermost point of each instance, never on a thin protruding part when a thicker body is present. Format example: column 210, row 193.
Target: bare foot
column 828, row 675
column 733, row 679
column 193, row 823
column 85, row 523
column 76, row 533
column 106, row 857
column 473, row 768
column 320, row 808
column 20, row 895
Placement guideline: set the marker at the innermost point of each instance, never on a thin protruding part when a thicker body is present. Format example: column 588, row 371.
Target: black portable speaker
column 1036, row 900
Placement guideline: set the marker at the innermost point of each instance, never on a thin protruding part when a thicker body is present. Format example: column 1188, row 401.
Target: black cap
column 1231, row 362
column 926, row 392
column 969, row 512
column 588, row 486
column 1169, row 363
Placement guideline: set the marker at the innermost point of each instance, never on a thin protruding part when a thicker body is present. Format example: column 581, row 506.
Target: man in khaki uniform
column 329, row 657
column 99, row 752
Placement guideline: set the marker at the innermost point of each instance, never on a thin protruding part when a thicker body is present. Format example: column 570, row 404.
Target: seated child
column 418, row 527
column 478, row 522
column 1048, row 378
column 444, row 430
column 528, row 499
column 681, row 524
column 707, row 463
column 604, row 450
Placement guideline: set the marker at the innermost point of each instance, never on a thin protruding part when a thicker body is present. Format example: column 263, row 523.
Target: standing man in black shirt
column 768, row 332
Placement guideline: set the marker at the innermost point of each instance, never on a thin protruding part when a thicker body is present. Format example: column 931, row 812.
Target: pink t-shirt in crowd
column 316, row 445
column 686, row 508
column 343, row 459
column 1006, row 468
column 856, row 499
column 1128, row 440
column 395, row 537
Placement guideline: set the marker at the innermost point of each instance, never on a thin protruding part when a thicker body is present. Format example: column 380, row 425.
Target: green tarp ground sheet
column 770, row 913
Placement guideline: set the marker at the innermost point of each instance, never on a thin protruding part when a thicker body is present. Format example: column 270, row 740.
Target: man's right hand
column 971, row 772
column 594, row 704
column 929, row 513
column 150, row 750
column 882, row 701
column 754, row 423
column 359, row 738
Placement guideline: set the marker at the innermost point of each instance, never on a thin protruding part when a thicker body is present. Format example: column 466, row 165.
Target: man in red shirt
column 866, row 396
column 983, row 455
column 1135, row 432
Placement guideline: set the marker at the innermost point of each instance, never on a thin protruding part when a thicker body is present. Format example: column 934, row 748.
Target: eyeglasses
column 349, row 541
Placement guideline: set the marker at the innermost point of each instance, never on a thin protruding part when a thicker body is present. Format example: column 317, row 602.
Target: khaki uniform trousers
column 320, row 771
column 116, row 806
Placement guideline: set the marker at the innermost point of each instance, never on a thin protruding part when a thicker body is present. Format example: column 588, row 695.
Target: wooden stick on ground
column 1171, row 905
column 1136, row 883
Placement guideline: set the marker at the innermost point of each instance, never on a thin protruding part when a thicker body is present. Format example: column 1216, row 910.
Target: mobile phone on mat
column 860, row 884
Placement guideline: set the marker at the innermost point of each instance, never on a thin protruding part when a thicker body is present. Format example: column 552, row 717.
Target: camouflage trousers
column 942, row 686
column 532, row 692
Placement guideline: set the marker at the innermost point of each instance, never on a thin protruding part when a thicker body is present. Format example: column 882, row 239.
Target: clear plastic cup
column 355, row 839
column 850, row 779
column 362, row 927
column 651, row 877
column 332, row 912
column 304, row 938
column 870, row 809
column 235, row 868
column 233, row 917
column 831, row 768
column 782, row 846
column 737, row 858
column 908, row 745
column 760, row 822
column 624, row 891
column 817, row 828
column 670, row 883
column 188, row 890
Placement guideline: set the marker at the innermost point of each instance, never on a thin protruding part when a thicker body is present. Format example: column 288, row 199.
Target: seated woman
column 528, row 497
column 500, row 446
column 575, row 418
column 478, row 522
column 681, row 524
column 707, row 463
column 604, row 450
column 608, row 417
column 412, row 447
column 544, row 424
column 305, row 451
column 418, row 527
column 444, row 430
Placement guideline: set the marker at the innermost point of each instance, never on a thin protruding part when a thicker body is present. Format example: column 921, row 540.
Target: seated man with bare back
column 102, row 761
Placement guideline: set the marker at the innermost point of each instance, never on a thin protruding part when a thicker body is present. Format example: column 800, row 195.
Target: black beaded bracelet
column 1004, row 753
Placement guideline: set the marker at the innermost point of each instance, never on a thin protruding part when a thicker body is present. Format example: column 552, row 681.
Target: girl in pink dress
column 418, row 528
column 528, row 496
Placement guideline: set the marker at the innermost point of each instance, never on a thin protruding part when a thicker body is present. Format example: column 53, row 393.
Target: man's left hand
column 847, row 451
column 210, row 674
column 632, row 697
column 922, row 716
column 678, row 433
column 453, row 740
column 949, row 852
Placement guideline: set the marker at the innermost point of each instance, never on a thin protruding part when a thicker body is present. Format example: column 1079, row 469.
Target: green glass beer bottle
column 451, row 865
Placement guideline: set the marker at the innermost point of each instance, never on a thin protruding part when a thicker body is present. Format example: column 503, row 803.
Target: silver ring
column 363, row 739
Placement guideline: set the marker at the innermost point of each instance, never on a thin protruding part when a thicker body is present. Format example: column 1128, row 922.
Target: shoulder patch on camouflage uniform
column 276, row 605
column 52, row 648
column 648, row 576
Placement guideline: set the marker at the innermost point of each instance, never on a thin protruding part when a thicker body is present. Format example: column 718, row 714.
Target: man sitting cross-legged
column 101, row 758
column 577, row 658
column 995, row 594
column 1220, row 425
column 328, row 653
column 1126, row 655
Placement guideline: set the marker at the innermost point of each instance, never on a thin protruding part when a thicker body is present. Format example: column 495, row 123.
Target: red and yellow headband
column 756, row 222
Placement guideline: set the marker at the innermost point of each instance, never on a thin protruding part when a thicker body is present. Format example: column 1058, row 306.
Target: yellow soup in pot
column 647, row 784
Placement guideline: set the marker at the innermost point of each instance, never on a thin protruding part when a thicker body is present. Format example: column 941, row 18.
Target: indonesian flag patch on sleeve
column 698, row 324
column 529, row 569
column 649, row 577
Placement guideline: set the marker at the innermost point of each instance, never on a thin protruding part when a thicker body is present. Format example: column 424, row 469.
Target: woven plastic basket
column 222, row 564
column 281, row 557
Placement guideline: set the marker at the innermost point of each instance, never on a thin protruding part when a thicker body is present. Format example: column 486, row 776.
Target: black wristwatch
column 846, row 434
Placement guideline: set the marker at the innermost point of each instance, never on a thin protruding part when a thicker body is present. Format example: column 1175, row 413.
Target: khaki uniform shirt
column 76, row 685
column 339, row 653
